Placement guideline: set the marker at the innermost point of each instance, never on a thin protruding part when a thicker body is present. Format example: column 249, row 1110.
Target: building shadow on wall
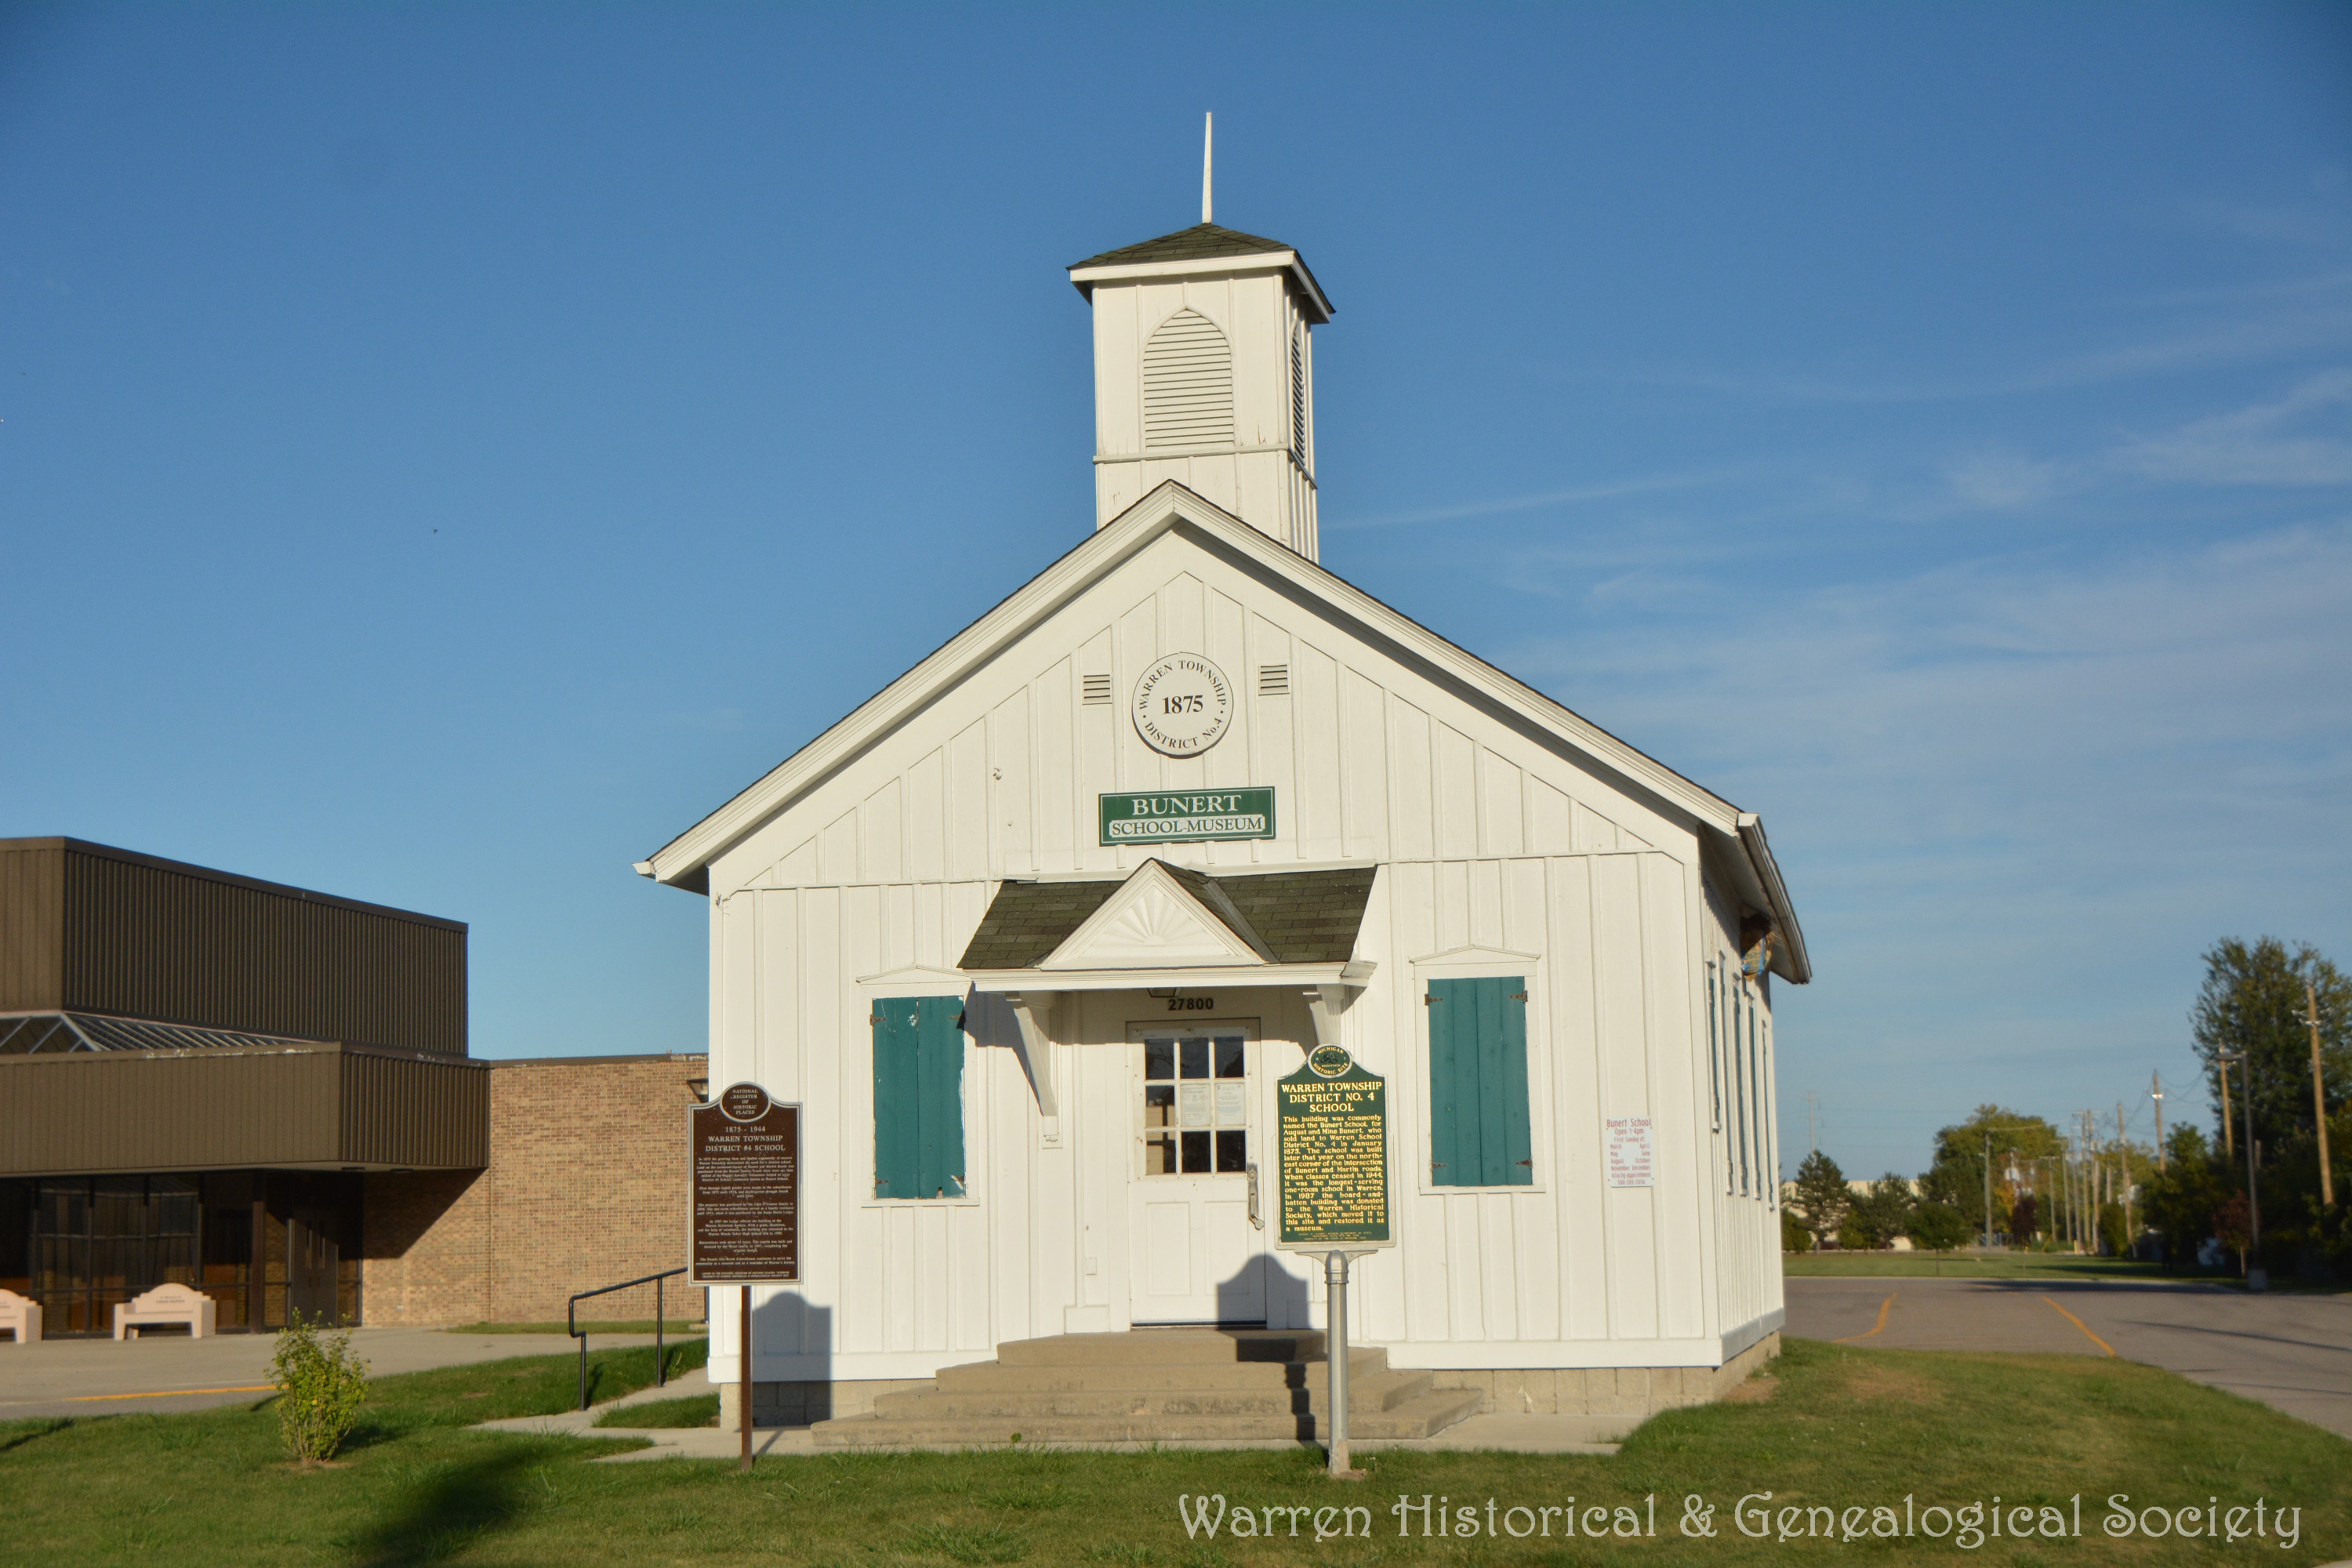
column 1264, row 1291
column 786, row 1325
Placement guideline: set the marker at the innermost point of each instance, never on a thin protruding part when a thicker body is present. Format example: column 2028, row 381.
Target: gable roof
column 1292, row 917
column 684, row 862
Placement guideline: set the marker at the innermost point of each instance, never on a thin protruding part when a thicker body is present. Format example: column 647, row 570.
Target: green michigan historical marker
column 1333, row 1120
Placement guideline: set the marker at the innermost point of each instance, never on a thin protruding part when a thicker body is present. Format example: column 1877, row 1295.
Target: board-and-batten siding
column 1488, row 839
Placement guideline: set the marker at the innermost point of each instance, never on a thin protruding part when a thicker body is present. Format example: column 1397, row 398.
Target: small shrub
column 321, row 1387
column 1939, row 1227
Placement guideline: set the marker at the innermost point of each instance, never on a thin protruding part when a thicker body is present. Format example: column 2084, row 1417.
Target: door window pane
column 1195, row 1105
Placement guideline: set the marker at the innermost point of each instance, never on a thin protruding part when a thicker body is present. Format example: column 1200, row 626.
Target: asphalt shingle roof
column 1290, row 917
column 1200, row 242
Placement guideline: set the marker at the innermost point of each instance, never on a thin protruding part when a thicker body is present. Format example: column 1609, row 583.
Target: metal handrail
column 572, row 1326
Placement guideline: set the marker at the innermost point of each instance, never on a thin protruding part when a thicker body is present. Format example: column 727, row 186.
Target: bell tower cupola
column 1204, row 373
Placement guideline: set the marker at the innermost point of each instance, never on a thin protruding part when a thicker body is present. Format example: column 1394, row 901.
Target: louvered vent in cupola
column 1187, row 383
column 1095, row 689
column 1274, row 680
column 1298, row 393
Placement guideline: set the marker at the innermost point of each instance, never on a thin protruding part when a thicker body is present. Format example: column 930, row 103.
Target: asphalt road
column 164, row 1372
column 2293, row 1352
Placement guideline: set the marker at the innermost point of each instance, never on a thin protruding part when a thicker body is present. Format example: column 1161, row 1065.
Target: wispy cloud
column 2267, row 444
column 1573, row 495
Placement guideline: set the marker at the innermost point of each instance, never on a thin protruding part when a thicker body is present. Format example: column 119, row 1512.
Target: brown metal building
column 199, row 1072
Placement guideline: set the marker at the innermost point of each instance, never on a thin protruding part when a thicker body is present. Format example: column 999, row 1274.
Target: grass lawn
column 1837, row 1427
column 1975, row 1265
column 694, row 1410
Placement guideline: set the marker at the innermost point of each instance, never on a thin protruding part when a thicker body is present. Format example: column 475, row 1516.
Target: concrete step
column 1371, row 1391
column 1157, row 1347
column 1421, row 1417
column 1038, row 1377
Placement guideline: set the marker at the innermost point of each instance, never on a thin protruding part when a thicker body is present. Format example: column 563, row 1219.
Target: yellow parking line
column 2084, row 1327
column 176, row 1392
column 1883, row 1309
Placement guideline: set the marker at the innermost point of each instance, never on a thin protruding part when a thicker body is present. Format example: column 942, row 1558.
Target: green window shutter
column 918, row 1096
column 1479, row 1129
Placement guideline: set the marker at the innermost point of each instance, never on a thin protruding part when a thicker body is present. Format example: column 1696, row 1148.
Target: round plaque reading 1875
column 1182, row 705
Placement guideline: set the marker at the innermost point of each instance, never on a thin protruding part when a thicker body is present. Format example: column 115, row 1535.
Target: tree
column 2179, row 1199
column 2024, row 1220
column 2253, row 1002
column 1956, row 1177
column 1938, row 1227
column 2233, row 1227
column 1820, row 1196
column 1884, row 1211
column 1794, row 1236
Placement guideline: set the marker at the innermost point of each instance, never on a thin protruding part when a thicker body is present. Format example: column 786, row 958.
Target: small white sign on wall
column 1630, row 1161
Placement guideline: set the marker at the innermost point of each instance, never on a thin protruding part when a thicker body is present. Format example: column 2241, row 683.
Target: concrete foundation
column 1636, row 1391
column 1633, row 1392
column 806, row 1404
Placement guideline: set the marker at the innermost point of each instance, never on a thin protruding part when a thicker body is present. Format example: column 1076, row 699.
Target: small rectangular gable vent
column 1274, row 680
column 1095, row 689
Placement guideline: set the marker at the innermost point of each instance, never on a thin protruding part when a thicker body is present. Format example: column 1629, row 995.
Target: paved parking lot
column 2291, row 1352
column 93, row 1377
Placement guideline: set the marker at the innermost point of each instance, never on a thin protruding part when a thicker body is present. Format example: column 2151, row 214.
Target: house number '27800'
column 1191, row 1004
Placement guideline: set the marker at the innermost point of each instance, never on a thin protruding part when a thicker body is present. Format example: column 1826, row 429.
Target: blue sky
column 445, row 451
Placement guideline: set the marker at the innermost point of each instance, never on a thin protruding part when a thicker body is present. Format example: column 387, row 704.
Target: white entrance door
column 1195, row 1253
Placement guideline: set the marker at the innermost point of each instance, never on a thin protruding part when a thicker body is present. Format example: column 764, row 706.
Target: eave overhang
column 1310, row 293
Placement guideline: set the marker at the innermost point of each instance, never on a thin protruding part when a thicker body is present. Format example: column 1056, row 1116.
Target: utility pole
column 2318, row 1092
column 1813, row 1139
column 2156, row 1093
column 2123, row 1172
column 1987, row 1186
column 2229, row 1139
column 2257, row 1277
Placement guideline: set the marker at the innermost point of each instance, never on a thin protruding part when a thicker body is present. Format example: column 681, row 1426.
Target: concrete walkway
column 108, row 1377
column 2292, row 1352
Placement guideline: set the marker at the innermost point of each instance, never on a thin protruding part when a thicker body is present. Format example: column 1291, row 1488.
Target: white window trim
column 1486, row 963
column 1258, row 1080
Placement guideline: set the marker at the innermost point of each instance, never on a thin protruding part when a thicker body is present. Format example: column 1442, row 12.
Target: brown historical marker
column 744, row 1158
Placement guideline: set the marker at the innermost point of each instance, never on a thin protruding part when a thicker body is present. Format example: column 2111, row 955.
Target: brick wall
column 586, row 1186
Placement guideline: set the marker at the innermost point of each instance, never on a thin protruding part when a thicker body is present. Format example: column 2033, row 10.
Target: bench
column 20, row 1316
column 166, row 1304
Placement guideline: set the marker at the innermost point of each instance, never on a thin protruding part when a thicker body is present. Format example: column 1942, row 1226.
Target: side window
column 1478, row 1133
column 1742, row 1078
column 918, row 1096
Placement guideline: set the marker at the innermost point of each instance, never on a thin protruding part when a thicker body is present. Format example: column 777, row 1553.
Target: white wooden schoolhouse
column 1033, row 933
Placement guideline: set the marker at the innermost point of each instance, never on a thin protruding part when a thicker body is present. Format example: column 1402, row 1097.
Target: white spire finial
column 1208, row 146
